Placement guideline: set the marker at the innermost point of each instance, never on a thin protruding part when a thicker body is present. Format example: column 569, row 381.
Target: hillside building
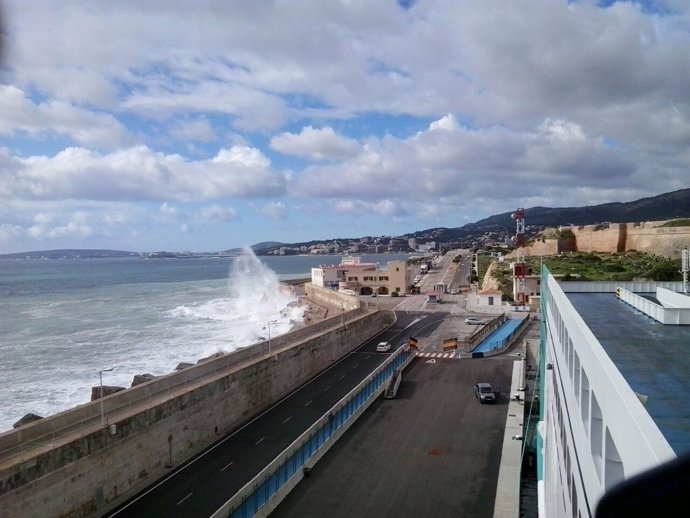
column 353, row 276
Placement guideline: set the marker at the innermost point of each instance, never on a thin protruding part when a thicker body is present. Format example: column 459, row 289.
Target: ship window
column 574, row 498
column 584, row 400
column 576, row 374
column 613, row 469
column 596, row 437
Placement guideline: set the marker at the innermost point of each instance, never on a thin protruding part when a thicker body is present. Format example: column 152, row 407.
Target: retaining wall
column 74, row 466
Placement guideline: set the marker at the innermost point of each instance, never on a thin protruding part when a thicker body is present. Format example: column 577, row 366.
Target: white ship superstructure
column 613, row 388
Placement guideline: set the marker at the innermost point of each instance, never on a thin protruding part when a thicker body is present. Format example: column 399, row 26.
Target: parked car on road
column 474, row 321
column 383, row 347
column 484, row 393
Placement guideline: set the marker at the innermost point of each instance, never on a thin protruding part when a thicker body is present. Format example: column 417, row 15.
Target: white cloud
column 23, row 116
column 561, row 130
column 169, row 211
column 315, row 144
column 447, row 108
column 55, row 226
column 218, row 213
column 448, row 123
column 274, row 210
column 199, row 130
column 9, row 233
column 364, row 209
column 141, row 174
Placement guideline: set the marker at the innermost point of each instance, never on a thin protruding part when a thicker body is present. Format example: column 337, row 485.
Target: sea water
column 62, row 322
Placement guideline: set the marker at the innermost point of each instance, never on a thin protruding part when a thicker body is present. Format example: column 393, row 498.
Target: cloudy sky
column 205, row 125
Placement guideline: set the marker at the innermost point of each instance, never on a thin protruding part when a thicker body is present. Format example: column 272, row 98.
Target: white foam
column 136, row 329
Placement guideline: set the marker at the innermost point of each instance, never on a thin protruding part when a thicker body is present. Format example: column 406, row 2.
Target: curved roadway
column 200, row 487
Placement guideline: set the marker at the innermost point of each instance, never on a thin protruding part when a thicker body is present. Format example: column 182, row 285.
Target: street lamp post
column 100, row 375
column 270, row 322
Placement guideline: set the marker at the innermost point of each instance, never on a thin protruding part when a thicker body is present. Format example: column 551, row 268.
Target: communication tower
column 685, row 261
column 520, row 268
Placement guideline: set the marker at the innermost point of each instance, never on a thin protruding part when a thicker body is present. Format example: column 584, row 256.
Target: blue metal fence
column 296, row 457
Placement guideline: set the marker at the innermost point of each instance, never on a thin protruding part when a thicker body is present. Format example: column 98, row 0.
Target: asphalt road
column 204, row 484
column 431, row 451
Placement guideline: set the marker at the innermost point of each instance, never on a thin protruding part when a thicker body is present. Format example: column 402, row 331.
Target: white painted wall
column 581, row 449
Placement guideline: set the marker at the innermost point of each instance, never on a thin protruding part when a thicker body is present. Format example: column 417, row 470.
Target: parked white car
column 474, row 321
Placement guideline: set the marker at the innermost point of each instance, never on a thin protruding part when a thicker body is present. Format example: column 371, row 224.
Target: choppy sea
column 63, row 321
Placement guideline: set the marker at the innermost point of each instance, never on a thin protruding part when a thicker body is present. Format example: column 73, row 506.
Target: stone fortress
column 650, row 236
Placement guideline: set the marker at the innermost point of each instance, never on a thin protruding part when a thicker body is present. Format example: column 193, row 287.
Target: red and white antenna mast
column 685, row 267
column 520, row 269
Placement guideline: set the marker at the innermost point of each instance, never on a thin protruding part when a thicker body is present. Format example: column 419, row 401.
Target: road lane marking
column 228, row 465
column 185, row 498
column 341, row 377
column 287, row 419
column 309, row 403
column 326, row 388
column 259, row 441
column 356, row 365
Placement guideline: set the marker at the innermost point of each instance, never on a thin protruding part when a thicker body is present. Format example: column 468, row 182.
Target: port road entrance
column 431, row 451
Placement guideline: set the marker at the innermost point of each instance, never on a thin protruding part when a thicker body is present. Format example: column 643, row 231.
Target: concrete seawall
column 72, row 465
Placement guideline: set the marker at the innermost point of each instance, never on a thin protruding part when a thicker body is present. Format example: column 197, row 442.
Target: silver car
column 484, row 393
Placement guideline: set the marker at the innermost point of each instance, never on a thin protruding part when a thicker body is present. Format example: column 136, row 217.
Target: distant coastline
column 43, row 255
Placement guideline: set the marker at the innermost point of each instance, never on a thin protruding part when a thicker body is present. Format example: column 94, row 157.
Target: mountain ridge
column 671, row 205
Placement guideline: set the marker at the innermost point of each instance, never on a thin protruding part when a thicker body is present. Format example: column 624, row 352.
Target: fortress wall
column 93, row 471
column 666, row 241
column 619, row 237
column 547, row 247
column 589, row 239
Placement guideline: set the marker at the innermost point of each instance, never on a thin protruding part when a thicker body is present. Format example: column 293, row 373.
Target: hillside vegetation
column 595, row 267
column 612, row 267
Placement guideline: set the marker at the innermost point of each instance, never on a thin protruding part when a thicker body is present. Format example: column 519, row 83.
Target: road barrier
column 263, row 493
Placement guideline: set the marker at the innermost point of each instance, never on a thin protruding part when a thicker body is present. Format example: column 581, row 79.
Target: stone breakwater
column 86, row 461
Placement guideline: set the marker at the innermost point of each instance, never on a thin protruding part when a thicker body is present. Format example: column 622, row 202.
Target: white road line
column 185, row 498
column 228, row 465
column 259, row 441
column 309, row 403
column 341, row 377
column 329, row 386
column 356, row 365
column 287, row 419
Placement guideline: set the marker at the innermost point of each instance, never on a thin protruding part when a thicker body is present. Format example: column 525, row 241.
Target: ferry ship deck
column 653, row 358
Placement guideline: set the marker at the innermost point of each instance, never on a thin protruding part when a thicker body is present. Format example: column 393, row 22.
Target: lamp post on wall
column 100, row 375
column 270, row 322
